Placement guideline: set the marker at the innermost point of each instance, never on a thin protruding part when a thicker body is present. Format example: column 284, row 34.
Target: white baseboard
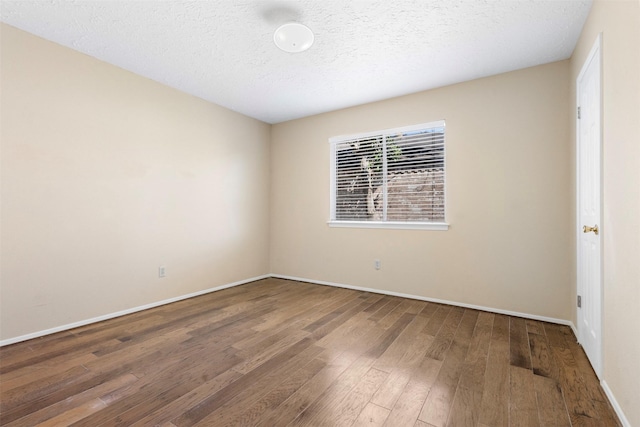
column 623, row 419
column 127, row 311
column 436, row 300
column 574, row 329
column 280, row 276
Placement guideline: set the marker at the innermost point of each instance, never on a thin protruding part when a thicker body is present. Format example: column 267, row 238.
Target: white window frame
column 409, row 225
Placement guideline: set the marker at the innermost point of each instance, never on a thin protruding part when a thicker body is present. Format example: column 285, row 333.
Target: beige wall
column 509, row 198
column 619, row 23
column 107, row 175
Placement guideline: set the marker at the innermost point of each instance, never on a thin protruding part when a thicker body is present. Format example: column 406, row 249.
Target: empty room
column 320, row 213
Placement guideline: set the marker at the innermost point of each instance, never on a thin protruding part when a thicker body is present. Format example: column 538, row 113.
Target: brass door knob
column 587, row 229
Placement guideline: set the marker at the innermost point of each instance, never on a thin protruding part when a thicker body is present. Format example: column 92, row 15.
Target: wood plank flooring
column 283, row 353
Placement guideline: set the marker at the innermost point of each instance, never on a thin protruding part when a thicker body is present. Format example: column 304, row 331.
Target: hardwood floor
column 282, row 353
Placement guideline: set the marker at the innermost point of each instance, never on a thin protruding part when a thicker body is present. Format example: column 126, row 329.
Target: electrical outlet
column 161, row 271
column 377, row 264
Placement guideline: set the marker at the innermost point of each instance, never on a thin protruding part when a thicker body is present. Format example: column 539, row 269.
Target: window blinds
column 391, row 176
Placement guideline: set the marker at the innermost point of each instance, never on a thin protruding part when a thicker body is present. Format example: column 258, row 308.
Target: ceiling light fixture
column 293, row 37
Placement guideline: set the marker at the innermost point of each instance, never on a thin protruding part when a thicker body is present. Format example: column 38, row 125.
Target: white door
column 588, row 209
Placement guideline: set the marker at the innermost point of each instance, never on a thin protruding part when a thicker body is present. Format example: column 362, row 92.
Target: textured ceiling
column 223, row 50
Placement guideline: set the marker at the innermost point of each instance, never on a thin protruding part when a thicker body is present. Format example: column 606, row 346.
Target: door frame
column 595, row 52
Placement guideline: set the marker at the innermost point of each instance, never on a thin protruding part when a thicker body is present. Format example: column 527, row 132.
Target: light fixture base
column 293, row 37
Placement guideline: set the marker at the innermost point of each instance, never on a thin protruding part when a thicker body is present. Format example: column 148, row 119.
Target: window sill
column 440, row 226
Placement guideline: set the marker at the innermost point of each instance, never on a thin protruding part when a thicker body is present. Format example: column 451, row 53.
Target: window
column 391, row 179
